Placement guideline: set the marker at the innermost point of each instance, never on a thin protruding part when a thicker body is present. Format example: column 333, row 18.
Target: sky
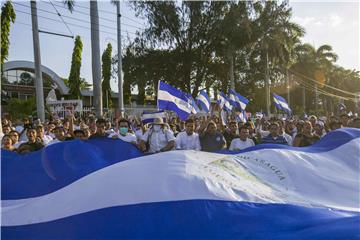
column 326, row 22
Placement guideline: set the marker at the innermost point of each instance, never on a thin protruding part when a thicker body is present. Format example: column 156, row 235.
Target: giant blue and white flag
column 170, row 98
column 106, row 189
column 194, row 107
column 204, row 101
column 224, row 102
column 281, row 104
column 150, row 116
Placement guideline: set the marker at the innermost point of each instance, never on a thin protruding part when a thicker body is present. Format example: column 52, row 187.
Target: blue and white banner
column 241, row 116
column 194, row 107
column 170, row 98
column 149, row 117
column 237, row 100
column 224, row 102
column 106, row 189
column 281, row 104
column 204, row 101
column 223, row 116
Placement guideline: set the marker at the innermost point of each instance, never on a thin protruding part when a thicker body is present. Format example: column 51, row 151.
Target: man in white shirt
column 124, row 133
column 243, row 141
column 188, row 139
column 45, row 139
column 158, row 137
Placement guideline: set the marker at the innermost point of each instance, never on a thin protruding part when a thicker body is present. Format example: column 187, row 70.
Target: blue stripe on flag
column 197, row 219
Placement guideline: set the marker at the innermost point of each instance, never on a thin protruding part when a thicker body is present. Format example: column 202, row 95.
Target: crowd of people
column 197, row 133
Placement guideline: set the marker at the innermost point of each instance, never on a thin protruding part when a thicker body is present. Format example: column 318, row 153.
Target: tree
column 190, row 30
column 74, row 76
column 106, row 75
column 8, row 16
column 95, row 53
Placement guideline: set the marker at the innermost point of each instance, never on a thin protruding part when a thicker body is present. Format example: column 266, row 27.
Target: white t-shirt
column 127, row 138
column 47, row 139
column 288, row 138
column 238, row 144
column 186, row 142
column 53, row 141
column 158, row 140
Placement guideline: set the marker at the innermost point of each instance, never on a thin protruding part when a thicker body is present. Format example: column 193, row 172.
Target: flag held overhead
column 170, row 98
column 204, row 101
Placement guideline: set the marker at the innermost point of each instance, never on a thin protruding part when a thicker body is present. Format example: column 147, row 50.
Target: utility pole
column 303, row 98
column 288, row 86
column 316, row 98
column 95, row 61
column 37, row 59
column 120, row 79
column 230, row 56
column 267, row 85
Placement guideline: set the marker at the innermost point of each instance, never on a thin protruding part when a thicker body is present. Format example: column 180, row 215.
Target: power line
column 326, row 85
column 70, row 17
column 310, row 88
column 62, row 19
column 82, row 36
column 72, row 24
column 88, row 14
column 104, row 11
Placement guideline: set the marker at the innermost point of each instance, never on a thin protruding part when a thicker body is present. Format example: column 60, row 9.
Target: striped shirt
column 276, row 140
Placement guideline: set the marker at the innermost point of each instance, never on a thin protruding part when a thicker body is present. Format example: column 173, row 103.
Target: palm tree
column 275, row 38
column 95, row 53
column 315, row 64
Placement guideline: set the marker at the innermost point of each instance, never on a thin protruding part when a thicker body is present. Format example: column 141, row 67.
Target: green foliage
column 19, row 109
column 8, row 16
column 106, row 74
column 75, row 82
column 189, row 44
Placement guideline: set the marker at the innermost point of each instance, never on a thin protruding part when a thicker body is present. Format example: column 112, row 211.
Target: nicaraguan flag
column 149, row 117
column 224, row 103
column 281, row 104
column 107, row 189
column 233, row 98
column 241, row 116
column 243, row 101
column 223, row 116
column 194, row 107
column 237, row 100
column 204, row 101
column 170, row 98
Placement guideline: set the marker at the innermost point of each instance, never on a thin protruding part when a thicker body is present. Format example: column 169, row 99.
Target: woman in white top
column 243, row 141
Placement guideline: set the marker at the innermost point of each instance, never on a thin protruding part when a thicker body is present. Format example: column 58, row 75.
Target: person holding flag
column 203, row 101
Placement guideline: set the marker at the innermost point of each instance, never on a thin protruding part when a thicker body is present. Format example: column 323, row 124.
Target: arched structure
column 30, row 66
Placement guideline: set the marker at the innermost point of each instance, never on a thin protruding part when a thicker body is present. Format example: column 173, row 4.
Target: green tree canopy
column 74, row 76
column 8, row 16
column 106, row 75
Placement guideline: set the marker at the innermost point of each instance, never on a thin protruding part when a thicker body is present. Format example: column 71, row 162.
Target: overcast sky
column 335, row 23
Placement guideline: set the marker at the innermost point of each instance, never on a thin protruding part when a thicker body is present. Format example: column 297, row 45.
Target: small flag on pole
column 170, row 98
column 281, row 104
column 204, row 101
